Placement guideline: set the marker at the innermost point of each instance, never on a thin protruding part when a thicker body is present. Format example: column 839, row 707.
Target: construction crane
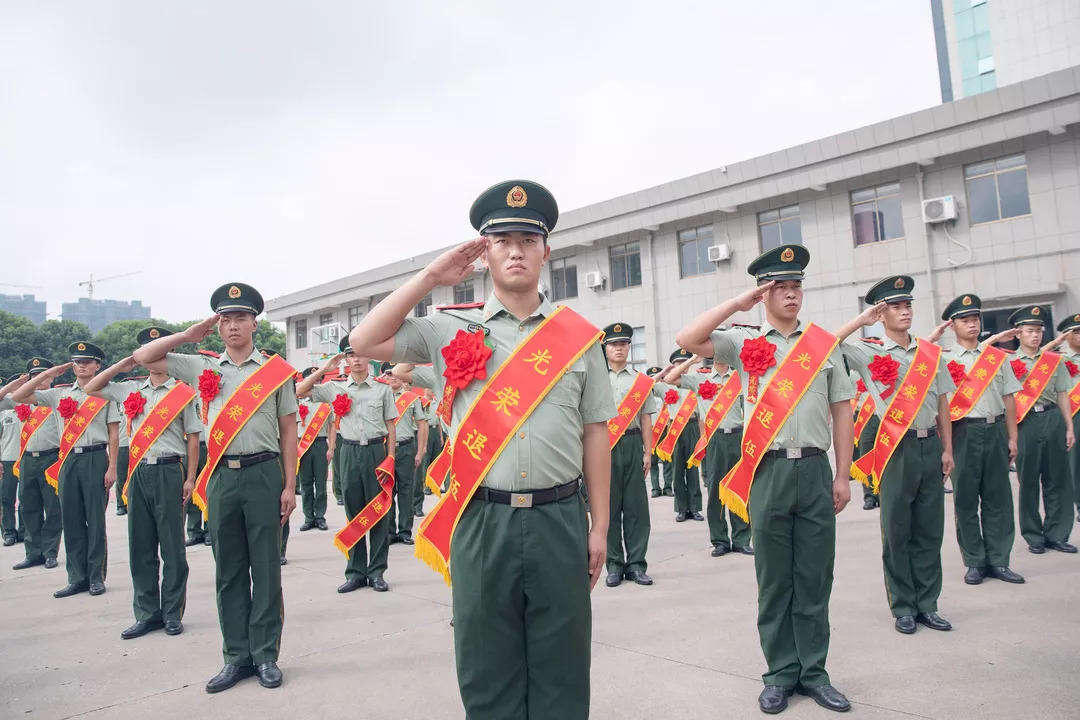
column 90, row 283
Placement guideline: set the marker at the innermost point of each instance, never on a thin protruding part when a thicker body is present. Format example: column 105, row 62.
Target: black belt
column 923, row 434
column 43, row 453
column 1044, row 408
column 404, row 442
column 631, row 432
column 163, row 460
column 381, row 440
column 529, row 499
column 980, row 421
column 795, row 453
column 235, row 462
column 730, row 431
column 96, row 447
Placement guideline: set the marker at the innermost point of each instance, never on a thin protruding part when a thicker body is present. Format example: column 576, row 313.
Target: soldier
column 39, row 444
column 412, row 432
column 10, row 429
column 631, row 457
column 1069, row 330
column 866, row 427
column 365, row 413
column 1045, row 437
column 677, row 446
column 248, row 485
column 793, row 380
column 315, row 461
column 197, row 532
column 718, row 394
column 423, row 377
column 657, row 432
column 165, row 452
column 89, row 428
column 122, row 461
column 434, row 446
column 528, row 406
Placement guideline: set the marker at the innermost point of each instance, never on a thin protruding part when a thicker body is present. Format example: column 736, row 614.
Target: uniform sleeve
column 597, row 402
column 840, row 386
column 113, row 413
column 185, row 367
column 689, row 381
column 389, row 406
column 48, row 398
column 1061, row 378
column 286, row 399
column 417, row 410
column 418, row 339
column 726, row 345
column 858, row 355
column 117, row 392
column 944, row 379
column 192, row 424
column 652, row 405
column 323, row 393
column 424, row 377
column 7, row 403
column 1009, row 384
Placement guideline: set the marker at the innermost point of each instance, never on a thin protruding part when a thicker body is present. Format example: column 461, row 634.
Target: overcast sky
column 288, row 143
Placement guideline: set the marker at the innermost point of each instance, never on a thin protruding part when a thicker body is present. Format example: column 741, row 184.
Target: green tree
column 18, row 338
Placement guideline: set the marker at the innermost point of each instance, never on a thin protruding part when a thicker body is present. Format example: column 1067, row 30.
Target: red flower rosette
column 884, row 369
column 957, row 371
column 1019, row 368
column 133, row 405
column 671, row 397
column 757, row 356
column 342, row 404
column 707, row 390
column 466, row 358
column 67, row 407
column 860, row 386
column 209, row 387
column 1072, row 367
column 23, row 412
column 304, row 410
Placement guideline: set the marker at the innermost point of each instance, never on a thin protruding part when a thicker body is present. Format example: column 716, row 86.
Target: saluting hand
column 937, row 332
column 1003, row 336
column 332, row 363
column 200, row 331
column 873, row 314
column 752, row 296
column 127, row 364
column 455, row 265
column 56, row 371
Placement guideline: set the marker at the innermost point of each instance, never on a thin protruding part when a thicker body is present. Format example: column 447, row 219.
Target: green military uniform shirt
column 807, row 425
column 860, row 354
column 7, row 403
column 47, row 437
column 171, row 441
column 10, row 432
column 96, row 432
column 372, row 405
column 621, row 382
column 423, row 376
column 547, row 449
column 1059, row 381
column 125, row 441
column 302, row 425
column 407, row 421
column 692, row 381
column 992, row 402
column 261, row 432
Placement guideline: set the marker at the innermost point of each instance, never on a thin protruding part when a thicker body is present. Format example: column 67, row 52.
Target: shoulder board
column 744, row 325
column 873, row 341
column 462, row 306
column 704, row 371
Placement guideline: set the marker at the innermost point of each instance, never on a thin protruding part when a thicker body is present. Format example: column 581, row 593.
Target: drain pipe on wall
column 926, row 247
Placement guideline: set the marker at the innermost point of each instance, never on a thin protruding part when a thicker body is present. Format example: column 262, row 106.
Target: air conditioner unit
column 595, row 280
column 936, row 210
column 719, row 253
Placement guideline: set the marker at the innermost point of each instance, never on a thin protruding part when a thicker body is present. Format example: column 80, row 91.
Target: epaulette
column 872, row 341
column 704, row 370
column 462, row 306
column 209, row 353
column 745, row 325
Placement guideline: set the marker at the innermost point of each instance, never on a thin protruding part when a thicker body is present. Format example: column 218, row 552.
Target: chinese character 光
column 1044, row 368
column 921, row 369
column 235, row 412
column 636, row 396
column 162, row 413
column 506, row 398
column 765, row 417
column 540, row 360
column 784, row 388
column 804, row 360
column 991, row 359
column 474, row 443
column 255, row 389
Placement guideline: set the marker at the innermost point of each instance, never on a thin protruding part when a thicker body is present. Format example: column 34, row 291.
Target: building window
column 463, row 292
column 638, row 359
column 974, row 46
column 694, row 251
column 355, row 313
column 326, row 318
column 301, row 334
column 997, row 189
column 563, row 278
column 625, row 265
column 422, row 307
column 780, row 227
column 877, row 214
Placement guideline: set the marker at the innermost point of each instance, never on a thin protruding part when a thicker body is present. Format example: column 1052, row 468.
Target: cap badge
column 516, row 198
column 80, row 347
column 966, row 301
column 154, row 333
column 234, row 292
column 1035, row 311
column 788, row 255
column 38, row 362
column 1076, row 318
column 899, row 284
column 618, row 328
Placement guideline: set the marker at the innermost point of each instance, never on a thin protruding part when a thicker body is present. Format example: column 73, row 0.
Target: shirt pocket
column 567, row 392
column 820, row 384
column 372, row 411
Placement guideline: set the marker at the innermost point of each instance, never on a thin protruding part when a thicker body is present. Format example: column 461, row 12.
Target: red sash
column 372, row 513
column 1074, row 399
column 721, row 406
column 978, row 379
column 34, row 421
column 402, row 403
column 74, row 428
column 659, row 425
column 1037, row 378
column 165, row 411
column 866, row 411
column 311, row 432
column 682, row 416
column 437, row 469
column 245, row 400
column 786, row 387
column 629, row 407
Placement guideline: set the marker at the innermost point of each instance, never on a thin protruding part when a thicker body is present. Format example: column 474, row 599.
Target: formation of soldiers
column 537, row 435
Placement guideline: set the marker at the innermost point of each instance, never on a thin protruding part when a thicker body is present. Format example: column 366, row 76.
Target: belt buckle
column 150, row 460
column 35, row 454
column 523, row 500
column 922, row 433
column 793, row 453
column 77, row 451
column 233, row 464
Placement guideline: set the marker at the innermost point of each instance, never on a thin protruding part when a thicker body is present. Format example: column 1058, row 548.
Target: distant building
column 96, row 314
column 25, row 306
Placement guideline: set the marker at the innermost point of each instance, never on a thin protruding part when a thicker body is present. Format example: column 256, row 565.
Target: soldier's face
column 1031, row 336
column 395, row 382
column 967, row 328
column 237, row 329
column 85, row 369
column 617, row 352
column 515, row 258
column 784, row 299
column 1073, row 338
column 898, row 315
column 357, row 363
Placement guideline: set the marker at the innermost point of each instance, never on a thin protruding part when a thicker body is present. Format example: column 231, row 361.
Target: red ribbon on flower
column 304, row 410
column 342, row 404
column 957, row 371
column 860, row 386
column 707, row 390
column 1019, row 368
column 671, row 397
column 23, row 412
column 757, row 356
column 209, row 387
column 67, row 407
column 1072, row 367
column 133, row 405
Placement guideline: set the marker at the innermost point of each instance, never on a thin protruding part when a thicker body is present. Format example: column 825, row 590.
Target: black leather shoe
column 419, row 513
column 639, row 577
column 974, row 576
column 1060, row 546
column 50, row 563
column 269, row 675
column 308, row 524
column 141, row 628
column 321, row 524
column 406, row 540
column 719, row 551
column 933, row 621
column 97, row 588
column 827, row 697
column 29, row 563
column 744, row 549
column 682, row 517
column 1005, row 574
column 905, row 624
column 173, row 627
column 613, row 579
column 427, row 490
column 72, row 589
column 656, row 493
column 229, row 676
column 868, row 503
column 395, row 539
column 206, row 539
column 284, row 560
column 9, row 541
column 349, row 585
column 340, row 502
column 669, row 492
column 121, row 510
column 773, row 699
column 698, row 516
column 1036, row 549
column 193, row 540
column 948, row 490
column 379, row 585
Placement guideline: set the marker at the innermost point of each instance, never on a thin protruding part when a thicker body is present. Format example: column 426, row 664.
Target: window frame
column 633, row 361
column 874, row 201
column 466, row 286
column 300, row 339
column 621, row 250
column 355, row 313
column 996, row 173
column 425, row 303
column 779, row 222
column 682, row 243
column 562, row 269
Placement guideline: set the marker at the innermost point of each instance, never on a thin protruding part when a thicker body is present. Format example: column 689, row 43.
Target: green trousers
column 335, row 469
column 313, row 471
column 654, row 473
column 1074, row 469
column 866, row 444
column 11, row 521
column 40, row 507
column 156, row 524
column 245, row 531
column 434, row 447
column 913, row 525
column 522, row 613
column 629, row 527
column 981, row 482
column 720, row 456
column 794, row 530
column 1043, row 463
column 402, row 512
column 359, row 486
column 284, row 537
column 123, row 455
column 82, row 506
column 191, row 510
column 686, row 481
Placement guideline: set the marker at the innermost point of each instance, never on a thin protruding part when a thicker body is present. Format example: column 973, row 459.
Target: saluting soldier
column 866, row 427
column 11, row 520
column 365, row 413
column 631, row 458
column 86, row 469
column 122, row 458
column 412, row 432
column 793, row 380
column 165, row 453
column 423, row 376
column 722, row 450
column 197, row 531
column 248, row 486
column 1069, row 341
column 528, row 406
column 315, row 463
column 654, row 467
column 39, row 443
column 1045, row 437
column 686, row 426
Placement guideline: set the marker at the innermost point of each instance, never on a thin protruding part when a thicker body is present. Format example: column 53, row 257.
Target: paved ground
column 684, row 648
